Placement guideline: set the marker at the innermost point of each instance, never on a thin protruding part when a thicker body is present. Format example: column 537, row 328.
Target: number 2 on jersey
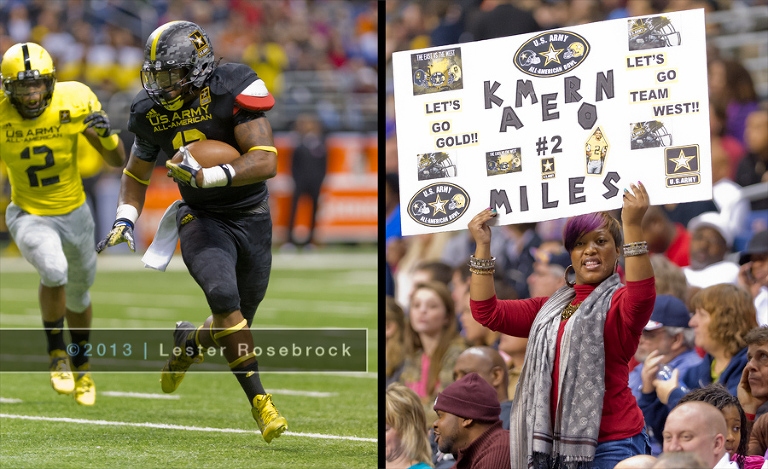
column 34, row 181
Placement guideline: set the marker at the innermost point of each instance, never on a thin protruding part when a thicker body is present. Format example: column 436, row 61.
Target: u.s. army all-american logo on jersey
column 682, row 165
column 438, row 204
column 551, row 54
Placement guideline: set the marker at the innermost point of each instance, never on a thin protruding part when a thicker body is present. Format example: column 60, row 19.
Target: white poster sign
column 553, row 124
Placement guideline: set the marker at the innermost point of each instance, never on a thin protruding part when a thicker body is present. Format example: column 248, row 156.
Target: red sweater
column 631, row 308
column 489, row 450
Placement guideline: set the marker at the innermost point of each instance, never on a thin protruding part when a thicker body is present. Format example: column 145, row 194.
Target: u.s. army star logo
column 682, row 165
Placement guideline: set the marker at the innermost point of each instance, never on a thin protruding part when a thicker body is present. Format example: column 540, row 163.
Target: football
column 209, row 153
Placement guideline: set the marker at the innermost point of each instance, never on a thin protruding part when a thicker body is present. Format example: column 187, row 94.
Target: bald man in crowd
column 640, row 461
column 488, row 363
column 698, row 427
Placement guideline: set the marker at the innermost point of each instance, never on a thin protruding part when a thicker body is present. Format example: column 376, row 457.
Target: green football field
column 332, row 417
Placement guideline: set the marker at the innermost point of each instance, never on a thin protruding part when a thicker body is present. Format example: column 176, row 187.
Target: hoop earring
column 570, row 284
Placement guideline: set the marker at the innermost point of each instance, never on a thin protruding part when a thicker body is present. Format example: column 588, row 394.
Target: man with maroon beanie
column 468, row 425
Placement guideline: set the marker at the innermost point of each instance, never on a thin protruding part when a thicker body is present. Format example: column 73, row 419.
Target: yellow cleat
column 270, row 422
column 85, row 390
column 175, row 368
column 61, row 374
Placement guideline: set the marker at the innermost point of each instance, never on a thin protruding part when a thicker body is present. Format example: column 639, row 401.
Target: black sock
column 54, row 332
column 191, row 344
column 81, row 339
column 248, row 377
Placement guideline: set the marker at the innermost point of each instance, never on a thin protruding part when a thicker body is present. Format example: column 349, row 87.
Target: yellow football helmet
column 575, row 49
column 457, row 201
column 27, row 65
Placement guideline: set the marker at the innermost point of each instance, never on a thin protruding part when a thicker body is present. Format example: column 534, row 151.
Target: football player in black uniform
column 223, row 221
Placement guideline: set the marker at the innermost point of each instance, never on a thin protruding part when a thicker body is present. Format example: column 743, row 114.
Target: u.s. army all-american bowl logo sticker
column 551, row 54
column 438, row 204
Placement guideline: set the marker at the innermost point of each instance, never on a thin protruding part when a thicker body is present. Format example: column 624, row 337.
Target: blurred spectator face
column 393, row 444
column 512, row 345
column 473, row 363
column 428, row 313
column 707, row 247
column 390, row 329
column 757, row 370
column 447, row 431
column 459, row 290
column 733, row 423
column 543, row 282
column 721, row 166
column 760, row 268
column 700, row 324
column 473, row 331
column 755, row 135
column 655, row 229
column 653, row 340
column 717, row 78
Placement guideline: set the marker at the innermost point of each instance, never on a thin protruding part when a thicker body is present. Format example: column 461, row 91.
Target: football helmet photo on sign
column 436, row 165
column 650, row 134
column 507, row 162
column 652, row 33
column 529, row 57
column 574, row 50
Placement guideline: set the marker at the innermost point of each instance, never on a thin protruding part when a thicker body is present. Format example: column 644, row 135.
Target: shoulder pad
column 77, row 97
column 141, row 103
column 255, row 97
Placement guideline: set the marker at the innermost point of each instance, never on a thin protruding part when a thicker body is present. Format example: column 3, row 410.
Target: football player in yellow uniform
column 48, row 218
column 596, row 149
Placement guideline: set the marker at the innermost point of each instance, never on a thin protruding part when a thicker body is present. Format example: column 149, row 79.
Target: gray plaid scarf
column 573, row 440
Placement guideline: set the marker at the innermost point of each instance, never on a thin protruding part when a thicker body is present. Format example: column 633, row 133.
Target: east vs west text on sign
column 553, row 124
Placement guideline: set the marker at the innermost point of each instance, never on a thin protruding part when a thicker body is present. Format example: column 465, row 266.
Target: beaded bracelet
column 482, row 271
column 636, row 243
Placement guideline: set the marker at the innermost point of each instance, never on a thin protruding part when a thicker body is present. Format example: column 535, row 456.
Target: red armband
column 750, row 417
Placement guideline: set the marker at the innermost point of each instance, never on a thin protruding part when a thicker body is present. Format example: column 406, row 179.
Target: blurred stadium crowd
column 428, row 276
column 313, row 56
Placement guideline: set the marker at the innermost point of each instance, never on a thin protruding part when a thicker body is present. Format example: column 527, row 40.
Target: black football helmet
column 650, row 134
column 436, row 165
column 653, row 32
column 27, row 66
column 178, row 58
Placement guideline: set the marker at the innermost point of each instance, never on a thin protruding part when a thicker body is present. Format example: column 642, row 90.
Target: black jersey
column 212, row 116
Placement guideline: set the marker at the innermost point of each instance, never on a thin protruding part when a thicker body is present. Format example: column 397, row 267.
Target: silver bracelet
column 635, row 249
column 482, row 264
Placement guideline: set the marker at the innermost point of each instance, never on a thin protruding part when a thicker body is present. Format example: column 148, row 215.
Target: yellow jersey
column 41, row 153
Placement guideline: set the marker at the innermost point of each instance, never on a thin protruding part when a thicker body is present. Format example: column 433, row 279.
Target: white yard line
column 9, row 400
column 280, row 261
column 291, row 392
column 140, row 395
column 164, row 426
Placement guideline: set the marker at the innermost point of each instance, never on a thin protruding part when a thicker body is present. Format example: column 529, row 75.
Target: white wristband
column 127, row 211
column 217, row 176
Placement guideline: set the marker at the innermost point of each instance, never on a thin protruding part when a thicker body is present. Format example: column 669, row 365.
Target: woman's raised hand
column 479, row 228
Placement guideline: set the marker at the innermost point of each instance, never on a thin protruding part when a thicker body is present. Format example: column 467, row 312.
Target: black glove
column 99, row 121
column 122, row 232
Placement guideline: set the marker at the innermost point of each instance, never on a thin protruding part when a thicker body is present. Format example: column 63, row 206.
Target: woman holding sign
column 573, row 407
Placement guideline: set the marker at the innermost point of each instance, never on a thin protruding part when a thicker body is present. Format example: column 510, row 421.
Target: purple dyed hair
column 576, row 226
